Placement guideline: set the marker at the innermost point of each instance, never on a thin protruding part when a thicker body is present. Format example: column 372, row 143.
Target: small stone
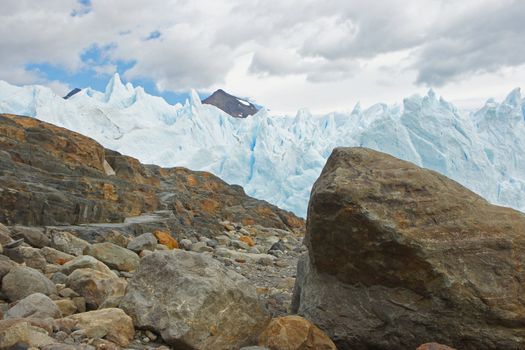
column 212, row 243
column 152, row 336
column 240, row 245
column 278, row 246
column 166, row 239
column 58, row 277
column 61, row 335
column 146, row 241
column 201, row 247
column 248, row 240
column 223, row 240
column 144, row 253
column 276, row 253
column 254, row 250
column 67, row 293
column 281, row 263
column 80, row 303
column 67, row 307
column 185, row 244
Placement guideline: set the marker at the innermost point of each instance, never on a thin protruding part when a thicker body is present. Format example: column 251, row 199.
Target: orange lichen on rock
column 192, row 181
column 248, row 221
column 210, row 206
column 248, row 240
column 166, row 239
column 110, row 192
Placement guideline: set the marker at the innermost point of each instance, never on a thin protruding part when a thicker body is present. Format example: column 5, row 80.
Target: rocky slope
column 414, row 255
column 98, row 246
column 234, row 106
column 52, row 176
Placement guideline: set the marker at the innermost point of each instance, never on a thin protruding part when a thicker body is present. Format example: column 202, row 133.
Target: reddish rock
column 248, row 240
column 294, row 333
column 166, row 239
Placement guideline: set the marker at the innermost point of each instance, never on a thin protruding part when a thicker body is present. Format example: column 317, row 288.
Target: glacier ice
column 278, row 158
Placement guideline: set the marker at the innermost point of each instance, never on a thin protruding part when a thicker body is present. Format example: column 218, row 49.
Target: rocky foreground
column 98, row 251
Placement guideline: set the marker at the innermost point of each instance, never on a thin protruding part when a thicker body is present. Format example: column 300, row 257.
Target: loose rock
column 22, row 281
column 294, row 333
column 36, row 305
column 114, row 256
column 201, row 305
column 114, row 323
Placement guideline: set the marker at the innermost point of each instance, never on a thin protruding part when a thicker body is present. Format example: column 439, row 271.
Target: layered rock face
column 400, row 256
column 52, row 176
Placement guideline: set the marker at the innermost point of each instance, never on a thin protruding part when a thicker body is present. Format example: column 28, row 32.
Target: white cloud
column 59, row 88
column 328, row 52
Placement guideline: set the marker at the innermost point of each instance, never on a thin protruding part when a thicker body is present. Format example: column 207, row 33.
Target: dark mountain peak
column 71, row 93
column 234, row 106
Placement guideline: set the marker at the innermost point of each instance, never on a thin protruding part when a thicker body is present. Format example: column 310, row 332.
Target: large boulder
column 193, row 302
column 399, row 255
column 22, row 281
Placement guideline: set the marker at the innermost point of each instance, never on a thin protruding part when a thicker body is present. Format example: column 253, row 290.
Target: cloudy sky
column 285, row 54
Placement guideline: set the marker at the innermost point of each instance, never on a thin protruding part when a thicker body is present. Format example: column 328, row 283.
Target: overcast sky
column 321, row 54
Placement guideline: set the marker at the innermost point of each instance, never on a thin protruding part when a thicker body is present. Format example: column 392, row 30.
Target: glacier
column 276, row 157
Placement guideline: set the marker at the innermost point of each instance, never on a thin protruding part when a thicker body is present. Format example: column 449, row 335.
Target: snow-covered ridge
column 277, row 158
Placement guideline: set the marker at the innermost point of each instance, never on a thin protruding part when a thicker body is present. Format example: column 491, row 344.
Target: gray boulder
column 22, row 281
column 36, row 305
column 145, row 241
column 192, row 301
